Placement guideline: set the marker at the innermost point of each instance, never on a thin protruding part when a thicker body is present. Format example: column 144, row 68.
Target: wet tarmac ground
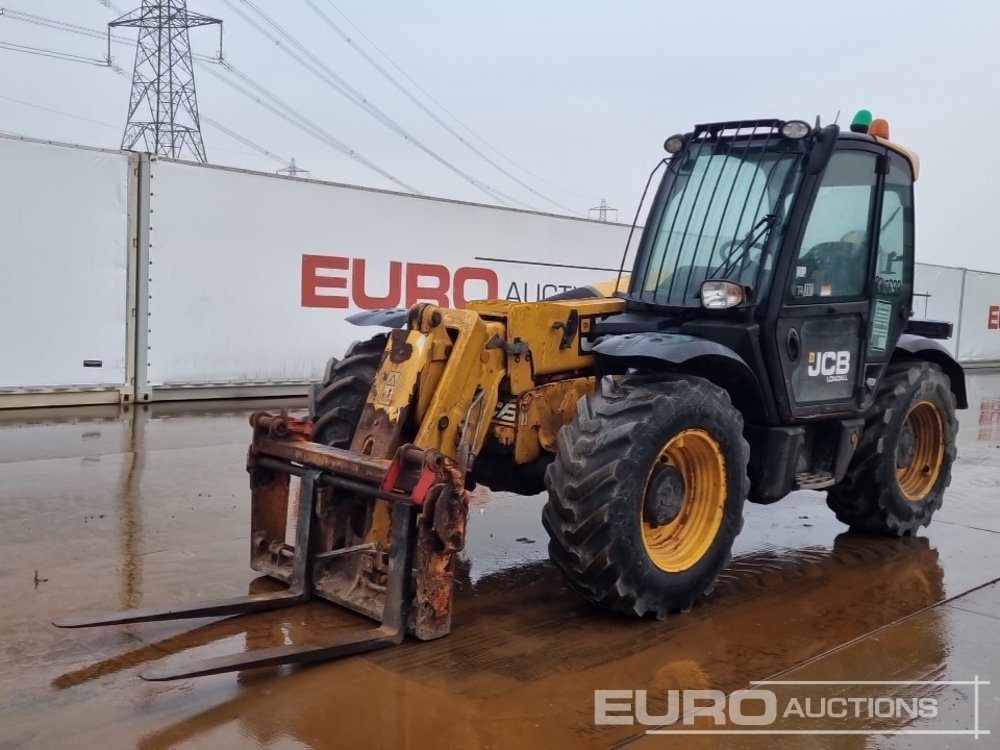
column 102, row 510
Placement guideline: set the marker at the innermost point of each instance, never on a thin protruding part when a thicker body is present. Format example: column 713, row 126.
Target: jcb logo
column 506, row 411
column 833, row 365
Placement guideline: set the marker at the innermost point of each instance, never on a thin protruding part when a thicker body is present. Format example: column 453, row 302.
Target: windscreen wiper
column 736, row 255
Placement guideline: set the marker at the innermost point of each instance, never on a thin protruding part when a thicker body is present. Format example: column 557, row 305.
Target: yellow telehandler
column 762, row 343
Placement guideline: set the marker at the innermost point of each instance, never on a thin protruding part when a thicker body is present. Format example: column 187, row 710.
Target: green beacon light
column 861, row 121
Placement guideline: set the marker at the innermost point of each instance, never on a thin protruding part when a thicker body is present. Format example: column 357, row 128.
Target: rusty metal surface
column 107, row 512
column 543, row 411
column 336, row 460
column 439, row 367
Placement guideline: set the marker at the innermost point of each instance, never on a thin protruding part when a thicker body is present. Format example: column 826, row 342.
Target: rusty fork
column 390, row 632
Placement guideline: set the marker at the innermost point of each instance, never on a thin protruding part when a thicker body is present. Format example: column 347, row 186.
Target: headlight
column 795, row 129
column 718, row 295
column 674, row 144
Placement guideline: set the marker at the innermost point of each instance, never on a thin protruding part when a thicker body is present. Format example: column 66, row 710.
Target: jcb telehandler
column 761, row 344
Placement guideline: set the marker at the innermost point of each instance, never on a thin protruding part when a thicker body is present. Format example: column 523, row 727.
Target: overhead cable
column 444, row 109
column 282, row 109
column 315, row 65
column 424, row 108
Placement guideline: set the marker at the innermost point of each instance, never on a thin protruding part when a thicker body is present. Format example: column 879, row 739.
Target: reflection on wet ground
column 102, row 509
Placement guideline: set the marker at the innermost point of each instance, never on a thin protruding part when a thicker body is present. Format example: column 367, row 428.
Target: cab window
column 833, row 257
column 893, row 266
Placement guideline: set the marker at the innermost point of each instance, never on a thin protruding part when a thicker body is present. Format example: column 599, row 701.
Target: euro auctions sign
column 804, row 707
column 342, row 282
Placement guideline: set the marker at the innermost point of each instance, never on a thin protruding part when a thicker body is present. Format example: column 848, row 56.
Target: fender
column 387, row 317
column 674, row 348
column 930, row 350
column 687, row 354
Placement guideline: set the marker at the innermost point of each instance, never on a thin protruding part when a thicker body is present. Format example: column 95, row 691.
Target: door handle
column 794, row 345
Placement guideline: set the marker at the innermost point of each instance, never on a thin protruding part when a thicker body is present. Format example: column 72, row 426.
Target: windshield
column 714, row 217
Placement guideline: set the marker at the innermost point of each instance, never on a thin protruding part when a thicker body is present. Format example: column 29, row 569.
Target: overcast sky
column 581, row 94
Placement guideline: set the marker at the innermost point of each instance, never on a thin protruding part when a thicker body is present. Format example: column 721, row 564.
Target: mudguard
column 387, row 317
column 691, row 355
column 673, row 348
column 931, row 350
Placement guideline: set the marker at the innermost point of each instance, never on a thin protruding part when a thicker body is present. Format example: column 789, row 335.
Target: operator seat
column 841, row 266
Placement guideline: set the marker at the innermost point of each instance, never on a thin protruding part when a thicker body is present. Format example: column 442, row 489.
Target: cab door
column 823, row 322
column 892, row 276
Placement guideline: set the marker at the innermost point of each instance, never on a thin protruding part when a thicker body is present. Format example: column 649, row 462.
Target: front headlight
column 718, row 295
column 795, row 129
column 674, row 144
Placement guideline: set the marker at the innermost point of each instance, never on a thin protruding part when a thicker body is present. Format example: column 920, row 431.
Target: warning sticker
column 385, row 393
column 825, row 290
column 881, row 320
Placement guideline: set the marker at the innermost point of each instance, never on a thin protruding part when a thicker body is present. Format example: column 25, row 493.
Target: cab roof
column 910, row 155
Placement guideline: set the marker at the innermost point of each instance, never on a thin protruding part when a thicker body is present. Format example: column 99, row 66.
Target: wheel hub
column 920, row 451
column 906, row 447
column 665, row 496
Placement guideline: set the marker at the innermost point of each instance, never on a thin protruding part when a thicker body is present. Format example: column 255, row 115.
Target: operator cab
column 735, row 193
column 790, row 244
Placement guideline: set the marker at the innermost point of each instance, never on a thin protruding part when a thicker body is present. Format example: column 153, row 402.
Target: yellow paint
column 918, row 479
column 608, row 287
column 442, row 364
column 680, row 544
column 540, row 325
column 542, row 413
column 452, row 390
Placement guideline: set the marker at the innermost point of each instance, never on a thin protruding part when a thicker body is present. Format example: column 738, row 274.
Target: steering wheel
column 822, row 257
column 725, row 249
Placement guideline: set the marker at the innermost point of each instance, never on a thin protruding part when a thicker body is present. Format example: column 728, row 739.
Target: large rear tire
column 646, row 494
column 902, row 465
column 335, row 405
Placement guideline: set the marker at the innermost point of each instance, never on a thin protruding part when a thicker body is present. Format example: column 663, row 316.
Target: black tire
column 597, row 486
column 335, row 404
column 870, row 497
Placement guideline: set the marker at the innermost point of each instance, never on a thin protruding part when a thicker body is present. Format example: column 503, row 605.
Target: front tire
column 335, row 405
column 646, row 494
column 902, row 465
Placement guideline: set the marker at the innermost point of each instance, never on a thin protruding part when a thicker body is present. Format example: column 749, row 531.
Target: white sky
column 580, row 93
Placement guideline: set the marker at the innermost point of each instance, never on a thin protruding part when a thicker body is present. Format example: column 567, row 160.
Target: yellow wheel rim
column 918, row 477
column 679, row 544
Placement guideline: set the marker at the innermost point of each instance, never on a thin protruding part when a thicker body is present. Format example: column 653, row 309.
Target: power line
column 112, row 6
column 445, row 109
column 342, row 87
column 72, row 28
column 214, row 123
column 285, row 111
column 427, row 110
column 17, row 15
column 55, row 54
column 242, row 139
column 311, row 128
column 228, row 131
column 278, row 107
column 58, row 112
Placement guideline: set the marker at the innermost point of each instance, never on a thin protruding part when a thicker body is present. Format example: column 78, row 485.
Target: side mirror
column 822, row 150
